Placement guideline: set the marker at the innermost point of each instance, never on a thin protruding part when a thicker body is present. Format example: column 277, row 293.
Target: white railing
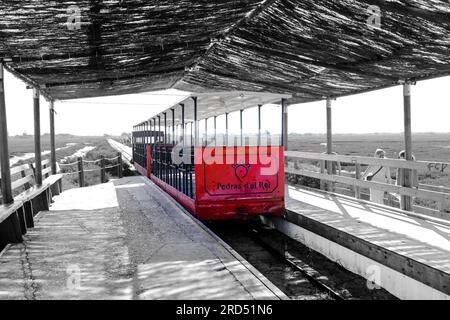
column 439, row 194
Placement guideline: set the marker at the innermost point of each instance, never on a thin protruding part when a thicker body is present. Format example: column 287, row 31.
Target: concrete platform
column 407, row 254
column 125, row 240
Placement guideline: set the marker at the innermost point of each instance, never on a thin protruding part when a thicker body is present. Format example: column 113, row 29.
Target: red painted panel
column 238, row 182
column 140, row 169
column 180, row 197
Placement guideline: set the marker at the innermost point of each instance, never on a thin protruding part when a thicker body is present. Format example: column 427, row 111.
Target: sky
column 379, row 111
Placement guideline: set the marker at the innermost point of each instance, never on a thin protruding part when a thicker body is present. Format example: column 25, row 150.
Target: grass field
column 426, row 146
column 20, row 145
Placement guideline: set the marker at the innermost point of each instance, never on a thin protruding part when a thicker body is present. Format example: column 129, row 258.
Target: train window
column 271, row 129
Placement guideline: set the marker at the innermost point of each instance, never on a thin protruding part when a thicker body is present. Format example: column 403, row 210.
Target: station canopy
column 308, row 48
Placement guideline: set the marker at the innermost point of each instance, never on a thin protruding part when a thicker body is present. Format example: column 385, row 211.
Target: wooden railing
column 439, row 194
column 102, row 168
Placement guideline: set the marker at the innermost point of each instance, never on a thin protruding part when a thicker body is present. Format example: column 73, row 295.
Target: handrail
column 436, row 193
column 412, row 192
column 396, row 163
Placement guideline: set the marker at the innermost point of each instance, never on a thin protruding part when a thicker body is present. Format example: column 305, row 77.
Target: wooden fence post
column 102, row 171
column 322, row 171
column 80, row 172
column 23, row 175
column 120, row 167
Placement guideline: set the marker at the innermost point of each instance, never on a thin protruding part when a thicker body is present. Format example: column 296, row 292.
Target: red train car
column 215, row 175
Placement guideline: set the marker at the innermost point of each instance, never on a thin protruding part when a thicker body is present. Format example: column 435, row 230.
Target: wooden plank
column 46, row 171
column 21, row 182
column 394, row 163
column 18, row 169
column 432, row 195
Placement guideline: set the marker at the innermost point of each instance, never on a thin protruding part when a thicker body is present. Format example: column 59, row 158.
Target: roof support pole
column 182, row 124
column 52, row 137
column 329, row 129
column 206, row 132
column 241, row 125
column 259, row 124
column 155, row 133
column 192, row 134
column 226, row 129
column 150, row 131
column 329, row 141
column 159, row 129
column 147, row 133
column 215, row 131
column 406, row 201
column 195, row 122
column 284, row 123
column 165, row 127
column 37, row 137
column 4, row 149
column 173, row 126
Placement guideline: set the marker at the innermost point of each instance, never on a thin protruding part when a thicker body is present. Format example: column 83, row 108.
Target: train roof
column 312, row 49
column 218, row 103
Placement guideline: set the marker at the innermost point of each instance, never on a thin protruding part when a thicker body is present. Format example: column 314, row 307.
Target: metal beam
column 329, row 128
column 4, row 149
column 406, row 201
column 226, row 129
column 173, row 126
column 215, row 131
column 284, row 124
column 259, row 124
column 37, row 137
column 241, row 125
column 165, row 127
column 159, row 129
column 182, row 124
column 52, row 137
column 195, row 122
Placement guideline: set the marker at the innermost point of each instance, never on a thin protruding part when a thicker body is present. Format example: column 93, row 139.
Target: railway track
column 302, row 274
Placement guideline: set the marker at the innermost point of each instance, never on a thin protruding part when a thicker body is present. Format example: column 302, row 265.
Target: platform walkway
column 124, row 240
column 408, row 254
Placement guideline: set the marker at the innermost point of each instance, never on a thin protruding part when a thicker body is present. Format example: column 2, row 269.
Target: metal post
column 329, row 128
column 284, row 124
column 102, row 170
column 406, row 201
column 165, row 128
column 159, row 129
column 192, row 134
column 80, row 172
column 259, row 124
column 329, row 141
column 215, row 131
column 206, row 132
column 182, row 124
column 4, row 150
column 52, row 137
column 195, row 122
column 173, row 126
column 120, row 165
column 37, row 138
column 241, row 127
column 226, row 129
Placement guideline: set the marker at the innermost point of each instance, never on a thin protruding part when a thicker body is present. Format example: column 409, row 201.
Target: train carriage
column 227, row 175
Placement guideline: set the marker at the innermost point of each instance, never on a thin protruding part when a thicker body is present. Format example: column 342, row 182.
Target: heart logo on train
column 241, row 171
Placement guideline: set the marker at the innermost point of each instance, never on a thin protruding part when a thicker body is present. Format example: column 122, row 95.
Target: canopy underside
column 308, row 48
